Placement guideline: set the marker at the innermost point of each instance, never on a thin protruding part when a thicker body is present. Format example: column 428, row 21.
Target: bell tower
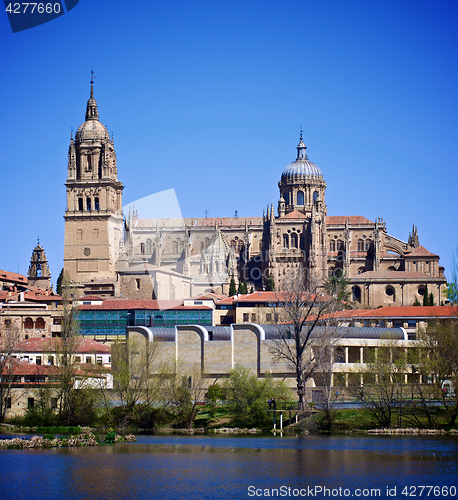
column 93, row 218
column 39, row 273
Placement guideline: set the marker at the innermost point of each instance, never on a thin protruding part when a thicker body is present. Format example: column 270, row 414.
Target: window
column 421, row 291
column 30, row 402
column 285, row 241
column 40, row 323
column 99, row 360
column 28, row 324
column 268, row 317
column 80, row 204
column 137, row 283
column 38, row 360
column 340, row 245
column 57, row 321
column 253, row 317
column 7, row 322
column 332, row 246
column 315, row 196
column 246, row 317
column 368, row 244
column 149, row 247
column 389, row 291
column 89, row 162
column 300, row 198
column 361, row 270
column 8, row 402
column 88, row 204
column 142, row 248
column 80, row 233
column 50, row 360
column 175, row 247
column 96, row 204
column 286, row 198
column 77, row 359
column 88, row 360
column 356, row 294
column 293, row 240
column 360, row 246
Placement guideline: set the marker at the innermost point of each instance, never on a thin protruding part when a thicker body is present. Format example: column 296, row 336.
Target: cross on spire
column 38, row 240
column 92, row 76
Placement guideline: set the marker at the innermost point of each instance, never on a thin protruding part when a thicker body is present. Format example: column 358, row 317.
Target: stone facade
column 169, row 258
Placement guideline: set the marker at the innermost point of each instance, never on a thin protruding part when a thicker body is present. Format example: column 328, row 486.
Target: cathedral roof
column 421, row 251
column 302, row 167
column 340, row 220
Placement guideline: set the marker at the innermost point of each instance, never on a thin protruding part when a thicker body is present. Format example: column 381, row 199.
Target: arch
column 142, row 248
column 285, row 241
column 361, row 270
column 207, row 242
column 286, row 198
column 340, row 245
column 332, row 246
column 80, row 204
column 294, row 240
column 88, row 204
column 356, row 293
column 315, row 195
column 40, row 323
column 367, row 244
column 28, row 324
column 360, row 246
column 96, row 204
column 300, row 198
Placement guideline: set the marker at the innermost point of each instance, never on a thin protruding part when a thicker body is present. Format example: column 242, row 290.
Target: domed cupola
column 91, row 130
column 301, row 185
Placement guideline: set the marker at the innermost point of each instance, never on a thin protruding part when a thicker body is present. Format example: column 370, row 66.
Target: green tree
column 382, row 375
column 416, row 302
column 232, row 287
column 426, row 296
column 243, row 289
column 270, row 285
column 247, row 396
column 337, row 286
column 59, row 282
column 431, row 299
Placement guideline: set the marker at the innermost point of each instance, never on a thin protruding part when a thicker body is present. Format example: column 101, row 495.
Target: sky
column 208, row 98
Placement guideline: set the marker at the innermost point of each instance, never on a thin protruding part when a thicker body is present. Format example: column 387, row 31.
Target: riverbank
column 85, row 439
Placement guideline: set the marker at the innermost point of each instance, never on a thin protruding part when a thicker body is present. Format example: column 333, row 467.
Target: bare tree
column 303, row 307
column 9, row 338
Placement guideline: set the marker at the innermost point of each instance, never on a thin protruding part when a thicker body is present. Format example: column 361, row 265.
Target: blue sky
column 207, row 98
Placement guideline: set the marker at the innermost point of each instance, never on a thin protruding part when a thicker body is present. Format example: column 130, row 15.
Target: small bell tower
column 39, row 273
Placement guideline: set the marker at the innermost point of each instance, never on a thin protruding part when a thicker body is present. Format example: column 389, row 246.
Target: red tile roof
column 294, row 215
column 49, row 345
column 201, row 222
column 421, row 251
column 353, row 220
column 270, row 297
column 8, row 276
column 393, row 275
column 123, row 304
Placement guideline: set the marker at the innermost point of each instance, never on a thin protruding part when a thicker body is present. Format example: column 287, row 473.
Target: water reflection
column 209, row 467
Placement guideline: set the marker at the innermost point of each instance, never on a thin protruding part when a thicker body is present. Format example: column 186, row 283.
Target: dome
column 91, row 130
column 301, row 168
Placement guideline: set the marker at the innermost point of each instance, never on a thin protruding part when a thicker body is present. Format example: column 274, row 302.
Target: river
column 224, row 467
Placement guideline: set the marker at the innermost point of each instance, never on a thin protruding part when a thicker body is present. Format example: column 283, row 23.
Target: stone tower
column 39, row 273
column 93, row 219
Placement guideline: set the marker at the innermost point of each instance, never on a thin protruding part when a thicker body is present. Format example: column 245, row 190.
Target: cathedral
column 107, row 252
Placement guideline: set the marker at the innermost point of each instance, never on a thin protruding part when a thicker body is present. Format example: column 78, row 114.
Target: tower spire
column 91, row 109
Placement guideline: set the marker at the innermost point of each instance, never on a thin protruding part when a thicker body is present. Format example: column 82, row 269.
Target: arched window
column 300, row 198
column 28, row 324
column 89, row 162
column 332, row 246
column 315, row 196
column 360, row 246
column 88, row 204
column 40, row 323
column 80, row 204
column 293, row 240
column 356, row 294
column 285, row 241
column 38, row 270
column 96, row 204
column 340, row 245
column 149, row 248
column 142, row 248
column 286, row 198
column 361, row 270
column 391, row 268
column 368, row 244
